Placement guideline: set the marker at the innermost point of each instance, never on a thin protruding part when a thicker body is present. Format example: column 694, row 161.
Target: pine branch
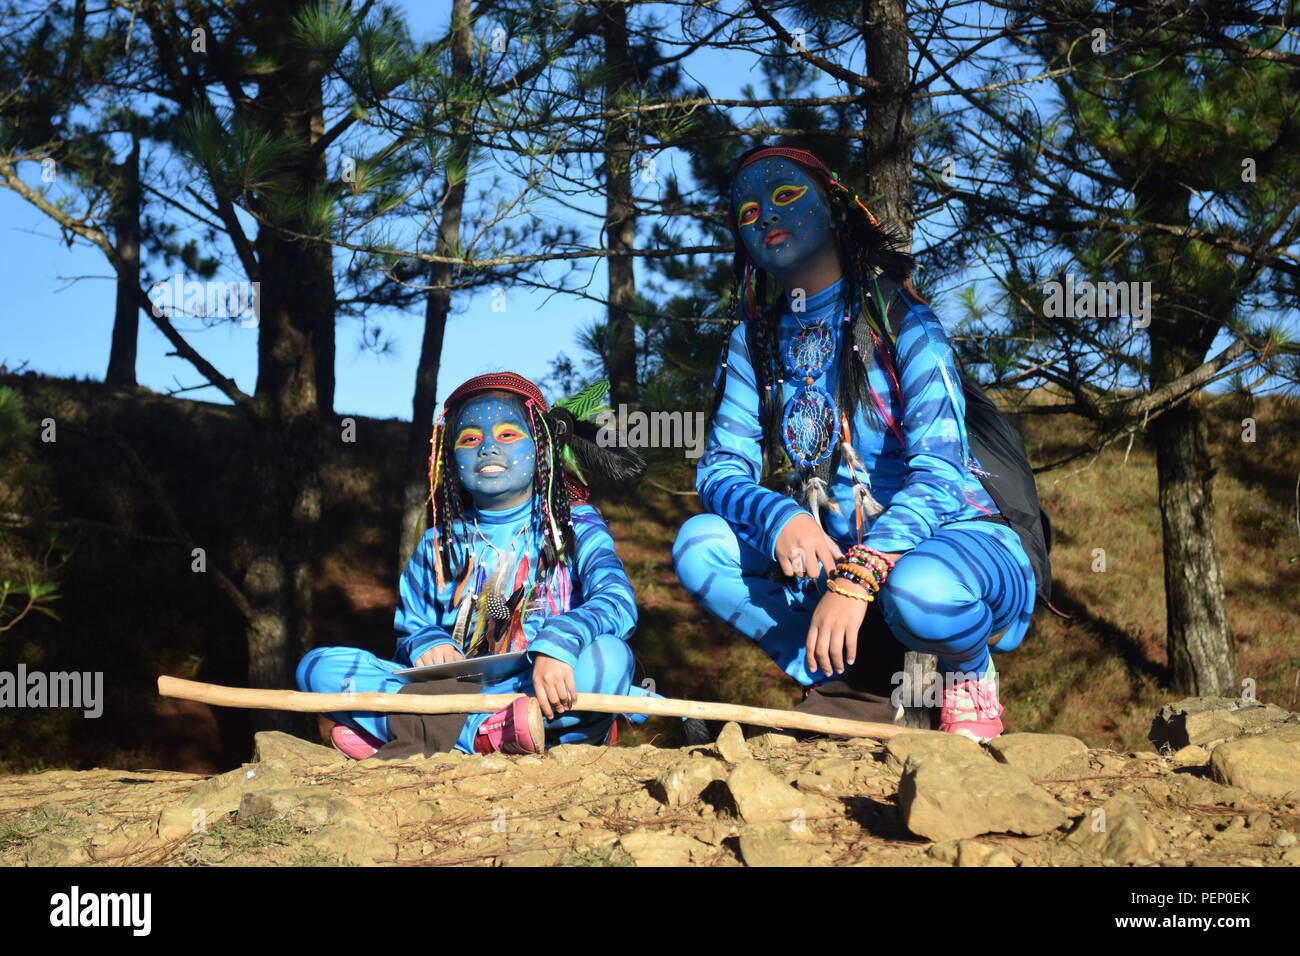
column 96, row 236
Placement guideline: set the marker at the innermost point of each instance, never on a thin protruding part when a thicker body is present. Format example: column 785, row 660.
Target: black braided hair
column 864, row 248
column 452, row 498
column 551, row 488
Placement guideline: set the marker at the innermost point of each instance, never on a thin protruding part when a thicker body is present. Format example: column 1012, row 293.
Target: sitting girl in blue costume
column 872, row 418
column 516, row 559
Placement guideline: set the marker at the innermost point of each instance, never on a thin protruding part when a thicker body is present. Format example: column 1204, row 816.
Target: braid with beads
column 553, row 491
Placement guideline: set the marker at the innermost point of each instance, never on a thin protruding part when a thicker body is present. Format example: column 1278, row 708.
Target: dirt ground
column 769, row 800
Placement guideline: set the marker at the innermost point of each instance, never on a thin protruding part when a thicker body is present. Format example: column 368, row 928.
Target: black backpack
column 1000, row 451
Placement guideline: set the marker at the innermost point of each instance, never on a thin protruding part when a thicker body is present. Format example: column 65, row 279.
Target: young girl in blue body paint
column 872, row 417
column 516, row 559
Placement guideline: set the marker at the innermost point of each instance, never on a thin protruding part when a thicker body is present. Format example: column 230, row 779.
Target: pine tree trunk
column 620, row 215
column 1201, row 652
column 888, row 141
column 297, row 306
column 889, row 138
column 1202, row 658
column 126, row 237
column 415, row 490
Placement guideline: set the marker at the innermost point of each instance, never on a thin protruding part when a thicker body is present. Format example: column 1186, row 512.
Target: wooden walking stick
column 488, row 703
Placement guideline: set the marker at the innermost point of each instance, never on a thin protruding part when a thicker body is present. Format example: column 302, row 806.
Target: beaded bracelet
column 841, row 574
column 867, row 597
column 869, row 560
column 870, row 552
column 861, row 570
column 876, row 561
column 876, row 571
column 866, row 549
column 877, row 566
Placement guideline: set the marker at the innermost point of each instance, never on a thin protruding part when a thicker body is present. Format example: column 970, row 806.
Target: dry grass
column 133, row 609
column 1099, row 676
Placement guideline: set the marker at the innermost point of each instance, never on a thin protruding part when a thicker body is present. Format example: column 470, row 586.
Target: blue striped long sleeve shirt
column 602, row 601
column 916, row 460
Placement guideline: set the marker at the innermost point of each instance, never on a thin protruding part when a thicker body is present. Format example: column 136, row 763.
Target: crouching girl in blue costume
column 872, row 418
column 516, row 559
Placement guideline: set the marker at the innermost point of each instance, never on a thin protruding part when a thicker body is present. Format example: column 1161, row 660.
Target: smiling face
column 781, row 217
column 495, row 454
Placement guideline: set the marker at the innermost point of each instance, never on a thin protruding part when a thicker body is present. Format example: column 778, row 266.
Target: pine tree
column 1168, row 158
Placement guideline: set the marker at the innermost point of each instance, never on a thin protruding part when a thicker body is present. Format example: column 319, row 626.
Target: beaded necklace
column 810, row 425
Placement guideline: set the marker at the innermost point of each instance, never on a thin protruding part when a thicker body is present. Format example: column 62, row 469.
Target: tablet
column 482, row 670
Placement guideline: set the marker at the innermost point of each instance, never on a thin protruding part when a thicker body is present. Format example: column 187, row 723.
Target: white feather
column 862, row 498
column 816, row 498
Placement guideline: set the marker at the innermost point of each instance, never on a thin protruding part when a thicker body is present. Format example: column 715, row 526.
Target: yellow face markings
column 784, row 195
column 469, row 437
column 506, row 433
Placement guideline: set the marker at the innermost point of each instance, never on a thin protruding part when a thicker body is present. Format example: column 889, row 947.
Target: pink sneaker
column 356, row 744
column 971, row 708
column 515, row 729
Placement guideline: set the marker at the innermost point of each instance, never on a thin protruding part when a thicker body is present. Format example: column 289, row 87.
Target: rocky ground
column 1220, row 786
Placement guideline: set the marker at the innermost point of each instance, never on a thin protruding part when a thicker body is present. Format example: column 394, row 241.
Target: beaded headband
column 501, row 381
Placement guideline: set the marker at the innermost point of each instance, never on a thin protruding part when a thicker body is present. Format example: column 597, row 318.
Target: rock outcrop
column 1223, row 790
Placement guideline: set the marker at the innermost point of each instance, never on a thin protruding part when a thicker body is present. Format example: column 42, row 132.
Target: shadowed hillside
column 132, row 607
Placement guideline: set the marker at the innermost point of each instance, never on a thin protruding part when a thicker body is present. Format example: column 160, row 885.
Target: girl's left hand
column 833, row 635
column 553, row 685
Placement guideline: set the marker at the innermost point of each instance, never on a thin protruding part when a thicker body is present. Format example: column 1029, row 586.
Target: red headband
column 789, row 152
column 500, row 381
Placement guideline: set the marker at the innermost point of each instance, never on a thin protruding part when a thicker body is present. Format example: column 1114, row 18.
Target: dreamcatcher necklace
column 810, row 426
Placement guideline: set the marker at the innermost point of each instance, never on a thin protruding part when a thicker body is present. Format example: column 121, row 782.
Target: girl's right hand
column 441, row 654
column 802, row 545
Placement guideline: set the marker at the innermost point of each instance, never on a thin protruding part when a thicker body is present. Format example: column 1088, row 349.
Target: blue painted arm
column 608, row 602
column 727, row 476
column 423, row 619
column 934, row 428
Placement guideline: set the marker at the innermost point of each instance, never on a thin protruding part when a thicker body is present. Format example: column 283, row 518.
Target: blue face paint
column 495, row 454
column 775, row 199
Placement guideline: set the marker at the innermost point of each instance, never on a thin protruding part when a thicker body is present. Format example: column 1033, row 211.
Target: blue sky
column 62, row 327
column 57, row 308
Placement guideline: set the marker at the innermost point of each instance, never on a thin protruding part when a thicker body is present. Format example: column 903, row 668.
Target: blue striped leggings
column 604, row 667
column 948, row 596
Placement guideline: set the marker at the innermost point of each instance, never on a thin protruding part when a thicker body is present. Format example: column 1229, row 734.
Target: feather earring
column 496, row 607
column 816, row 498
column 512, row 632
column 463, row 614
column 463, row 599
column 481, row 616
column 495, row 594
column 863, row 501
